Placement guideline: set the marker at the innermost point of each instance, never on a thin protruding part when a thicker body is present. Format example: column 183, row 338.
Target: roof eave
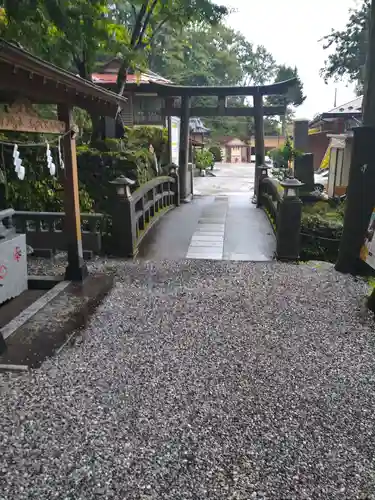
column 16, row 57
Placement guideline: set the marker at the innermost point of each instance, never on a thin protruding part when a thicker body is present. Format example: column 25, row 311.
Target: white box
column 13, row 267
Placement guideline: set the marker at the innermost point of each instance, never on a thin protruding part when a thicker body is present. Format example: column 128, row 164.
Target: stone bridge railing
column 270, row 197
column 135, row 213
column 118, row 233
column 283, row 207
column 45, row 232
column 6, row 223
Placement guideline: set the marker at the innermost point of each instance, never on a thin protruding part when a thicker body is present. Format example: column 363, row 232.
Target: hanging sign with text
column 21, row 117
column 175, row 139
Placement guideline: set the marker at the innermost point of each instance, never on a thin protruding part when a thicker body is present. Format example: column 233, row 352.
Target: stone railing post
column 6, row 223
column 173, row 172
column 289, row 221
column 262, row 174
column 123, row 219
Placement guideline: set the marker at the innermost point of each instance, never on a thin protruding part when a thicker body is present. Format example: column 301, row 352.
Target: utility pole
column 361, row 188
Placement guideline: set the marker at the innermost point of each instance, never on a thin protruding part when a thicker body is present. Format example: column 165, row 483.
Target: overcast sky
column 290, row 30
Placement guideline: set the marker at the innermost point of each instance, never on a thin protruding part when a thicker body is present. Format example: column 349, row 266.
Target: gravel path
column 202, row 380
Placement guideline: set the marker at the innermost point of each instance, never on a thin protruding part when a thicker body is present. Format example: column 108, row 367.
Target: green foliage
column 38, row 191
column 103, row 161
column 282, row 157
column 204, row 159
column 210, row 55
column 75, row 33
column 350, row 47
column 295, row 96
column 321, row 231
column 288, row 153
column 201, row 54
column 216, row 152
column 97, row 165
column 144, row 136
column 97, row 168
column 146, row 18
column 69, row 33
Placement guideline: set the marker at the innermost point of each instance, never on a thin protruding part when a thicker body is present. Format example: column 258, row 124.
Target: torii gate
column 185, row 111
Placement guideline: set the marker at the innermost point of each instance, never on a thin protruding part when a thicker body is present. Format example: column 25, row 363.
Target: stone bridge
column 220, row 223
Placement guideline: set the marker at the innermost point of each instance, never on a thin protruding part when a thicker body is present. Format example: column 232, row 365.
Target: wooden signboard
column 22, row 117
column 368, row 248
column 148, row 111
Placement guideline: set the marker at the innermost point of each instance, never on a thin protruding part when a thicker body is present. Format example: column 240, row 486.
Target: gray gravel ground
column 202, row 380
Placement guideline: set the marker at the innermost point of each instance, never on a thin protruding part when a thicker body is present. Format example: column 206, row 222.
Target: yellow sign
column 368, row 248
column 21, row 117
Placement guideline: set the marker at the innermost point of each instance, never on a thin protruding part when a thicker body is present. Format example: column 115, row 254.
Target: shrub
column 39, row 191
column 204, row 159
column 216, row 151
column 321, row 231
column 98, row 163
column 283, row 155
column 97, row 168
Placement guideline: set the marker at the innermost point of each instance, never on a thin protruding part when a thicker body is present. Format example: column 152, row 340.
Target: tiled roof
column 354, row 106
column 148, row 77
column 197, row 126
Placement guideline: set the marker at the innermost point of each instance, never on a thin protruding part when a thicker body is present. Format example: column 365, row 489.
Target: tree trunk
column 368, row 106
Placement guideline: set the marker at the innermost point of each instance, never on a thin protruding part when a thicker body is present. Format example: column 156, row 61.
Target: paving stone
column 203, row 243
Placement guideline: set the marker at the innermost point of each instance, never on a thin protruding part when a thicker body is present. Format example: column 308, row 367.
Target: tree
column 147, row 17
column 69, row 33
column 201, row 54
column 73, row 33
column 350, row 48
column 294, row 98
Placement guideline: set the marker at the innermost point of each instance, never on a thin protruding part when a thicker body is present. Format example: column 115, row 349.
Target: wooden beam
column 164, row 89
column 210, row 111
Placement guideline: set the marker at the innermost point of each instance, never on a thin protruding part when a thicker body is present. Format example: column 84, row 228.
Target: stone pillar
column 76, row 269
column 184, row 148
column 288, row 235
column 304, row 171
column 259, row 140
column 124, row 235
column 173, row 172
column 301, row 135
column 263, row 174
column 360, row 200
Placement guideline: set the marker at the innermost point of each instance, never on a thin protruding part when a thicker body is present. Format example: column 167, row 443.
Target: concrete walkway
column 220, row 224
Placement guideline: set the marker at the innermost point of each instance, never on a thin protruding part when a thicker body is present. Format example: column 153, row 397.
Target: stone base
column 13, row 267
column 188, row 199
column 45, row 331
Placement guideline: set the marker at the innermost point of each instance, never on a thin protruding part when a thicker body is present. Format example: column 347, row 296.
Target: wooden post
column 361, row 188
column 259, row 140
column 184, row 147
column 76, row 269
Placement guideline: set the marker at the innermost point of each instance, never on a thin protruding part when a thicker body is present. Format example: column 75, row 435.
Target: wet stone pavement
column 220, row 224
column 202, row 380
